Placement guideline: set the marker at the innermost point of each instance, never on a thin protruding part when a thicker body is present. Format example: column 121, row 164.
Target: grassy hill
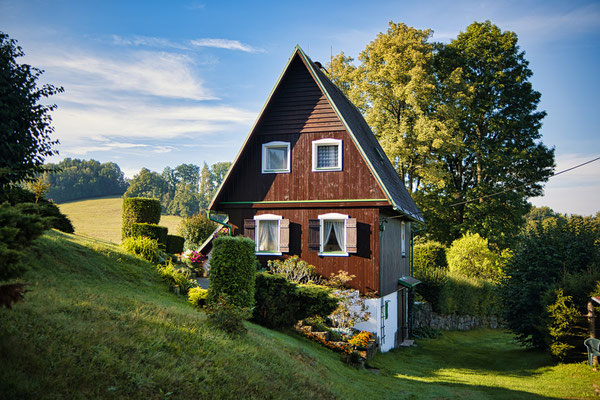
column 98, row 323
column 101, row 218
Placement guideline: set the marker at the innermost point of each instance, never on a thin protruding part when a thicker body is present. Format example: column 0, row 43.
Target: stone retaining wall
column 424, row 317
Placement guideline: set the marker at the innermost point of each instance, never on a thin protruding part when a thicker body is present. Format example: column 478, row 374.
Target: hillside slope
column 98, row 323
column 101, row 218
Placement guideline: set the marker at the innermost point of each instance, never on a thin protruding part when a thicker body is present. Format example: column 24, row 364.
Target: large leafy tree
column 458, row 121
column 497, row 122
column 395, row 89
column 25, row 123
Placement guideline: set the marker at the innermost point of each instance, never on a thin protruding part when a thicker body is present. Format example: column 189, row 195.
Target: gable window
column 333, row 234
column 275, row 157
column 327, row 155
column 270, row 233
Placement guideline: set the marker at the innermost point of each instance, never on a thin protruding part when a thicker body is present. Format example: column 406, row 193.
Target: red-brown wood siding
column 299, row 113
column 364, row 264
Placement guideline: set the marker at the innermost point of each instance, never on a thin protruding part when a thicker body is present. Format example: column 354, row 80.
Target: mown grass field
column 98, row 323
column 101, row 218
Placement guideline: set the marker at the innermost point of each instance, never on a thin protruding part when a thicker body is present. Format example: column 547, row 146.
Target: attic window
column 275, row 157
column 327, row 155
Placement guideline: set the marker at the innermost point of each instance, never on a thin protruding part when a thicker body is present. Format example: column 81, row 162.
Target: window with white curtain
column 327, row 155
column 267, row 234
column 333, row 234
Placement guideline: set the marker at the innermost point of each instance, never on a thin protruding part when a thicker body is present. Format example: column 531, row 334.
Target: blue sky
column 156, row 83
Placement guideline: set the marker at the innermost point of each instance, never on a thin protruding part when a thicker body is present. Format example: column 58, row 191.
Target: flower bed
column 355, row 348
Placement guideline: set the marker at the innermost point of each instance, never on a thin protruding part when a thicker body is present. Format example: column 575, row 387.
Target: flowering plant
column 340, row 347
column 194, row 257
column 221, row 232
column 361, row 339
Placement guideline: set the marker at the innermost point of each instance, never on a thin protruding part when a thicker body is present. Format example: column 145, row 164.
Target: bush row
column 451, row 293
column 281, row 303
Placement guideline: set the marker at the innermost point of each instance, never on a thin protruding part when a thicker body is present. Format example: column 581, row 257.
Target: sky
column 160, row 83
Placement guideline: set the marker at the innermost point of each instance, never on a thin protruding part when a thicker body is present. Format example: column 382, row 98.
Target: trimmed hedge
column 139, row 210
column 450, row 293
column 175, row 244
column 280, row 303
column 152, row 231
column 232, row 270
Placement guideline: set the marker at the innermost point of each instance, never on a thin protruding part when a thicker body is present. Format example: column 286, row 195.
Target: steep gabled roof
column 359, row 131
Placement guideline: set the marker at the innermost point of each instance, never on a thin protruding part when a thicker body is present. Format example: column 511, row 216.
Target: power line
column 519, row 187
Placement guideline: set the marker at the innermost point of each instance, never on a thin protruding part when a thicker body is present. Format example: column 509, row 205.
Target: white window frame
column 315, row 154
column 403, row 239
column 265, row 148
column 267, row 217
column 332, row 217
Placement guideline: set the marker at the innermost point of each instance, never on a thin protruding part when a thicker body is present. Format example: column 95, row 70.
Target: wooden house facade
column 312, row 180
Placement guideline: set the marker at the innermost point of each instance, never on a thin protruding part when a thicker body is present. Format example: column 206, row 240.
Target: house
column 311, row 179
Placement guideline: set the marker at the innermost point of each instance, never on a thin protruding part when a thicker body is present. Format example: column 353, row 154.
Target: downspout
column 229, row 228
column 411, row 295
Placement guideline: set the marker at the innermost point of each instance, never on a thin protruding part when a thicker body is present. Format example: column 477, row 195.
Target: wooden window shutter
column 284, row 236
column 249, row 227
column 314, row 235
column 351, row 235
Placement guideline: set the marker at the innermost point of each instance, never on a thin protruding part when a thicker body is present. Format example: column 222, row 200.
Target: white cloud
column 148, row 41
column 543, row 26
column 576, row 191
column 142, row 72
column 226, row 44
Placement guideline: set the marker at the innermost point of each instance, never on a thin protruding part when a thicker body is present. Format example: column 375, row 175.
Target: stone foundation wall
column 425, row 317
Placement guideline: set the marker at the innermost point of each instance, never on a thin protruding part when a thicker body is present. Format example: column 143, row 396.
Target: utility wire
column 519, row 187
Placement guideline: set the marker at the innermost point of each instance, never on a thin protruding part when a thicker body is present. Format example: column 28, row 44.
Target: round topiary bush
column 232, row 271
column 470, row 256
column 139, row 210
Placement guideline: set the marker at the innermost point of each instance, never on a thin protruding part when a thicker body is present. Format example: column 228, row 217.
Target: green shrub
column 175, row 244
column 564, row 320
column 175, row 277
column 281, row 303
column 19, row 226
column 153, row 231
column 468, row 296
column 141, row 210
column 432, row 283
column 429, row 255
column 142, row 246
column 293, row 269
column 224, row 315
column 471, row 256
column 197, row 297
column 45, row 208
column 195, row 230
column 232, row 270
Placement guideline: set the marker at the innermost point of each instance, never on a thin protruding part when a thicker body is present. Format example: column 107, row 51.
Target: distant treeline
column 75, row 179
column 183, row 190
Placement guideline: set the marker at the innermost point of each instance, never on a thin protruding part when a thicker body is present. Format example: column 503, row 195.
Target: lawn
column 98, row 323
column 101, row 218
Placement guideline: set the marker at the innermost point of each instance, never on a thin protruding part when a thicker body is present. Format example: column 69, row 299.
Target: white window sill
column 268, row 254
column 276, row 171
column 340, row 254
column 326, row 169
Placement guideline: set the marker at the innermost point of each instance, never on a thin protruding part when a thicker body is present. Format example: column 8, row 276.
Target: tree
column 554, row 253
column 25, row 124
column 210, row 180
column 498, row 124
column 149, row 184
column 470, row 256
column 395, row 89
column 73, row 179
column 458, row 121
